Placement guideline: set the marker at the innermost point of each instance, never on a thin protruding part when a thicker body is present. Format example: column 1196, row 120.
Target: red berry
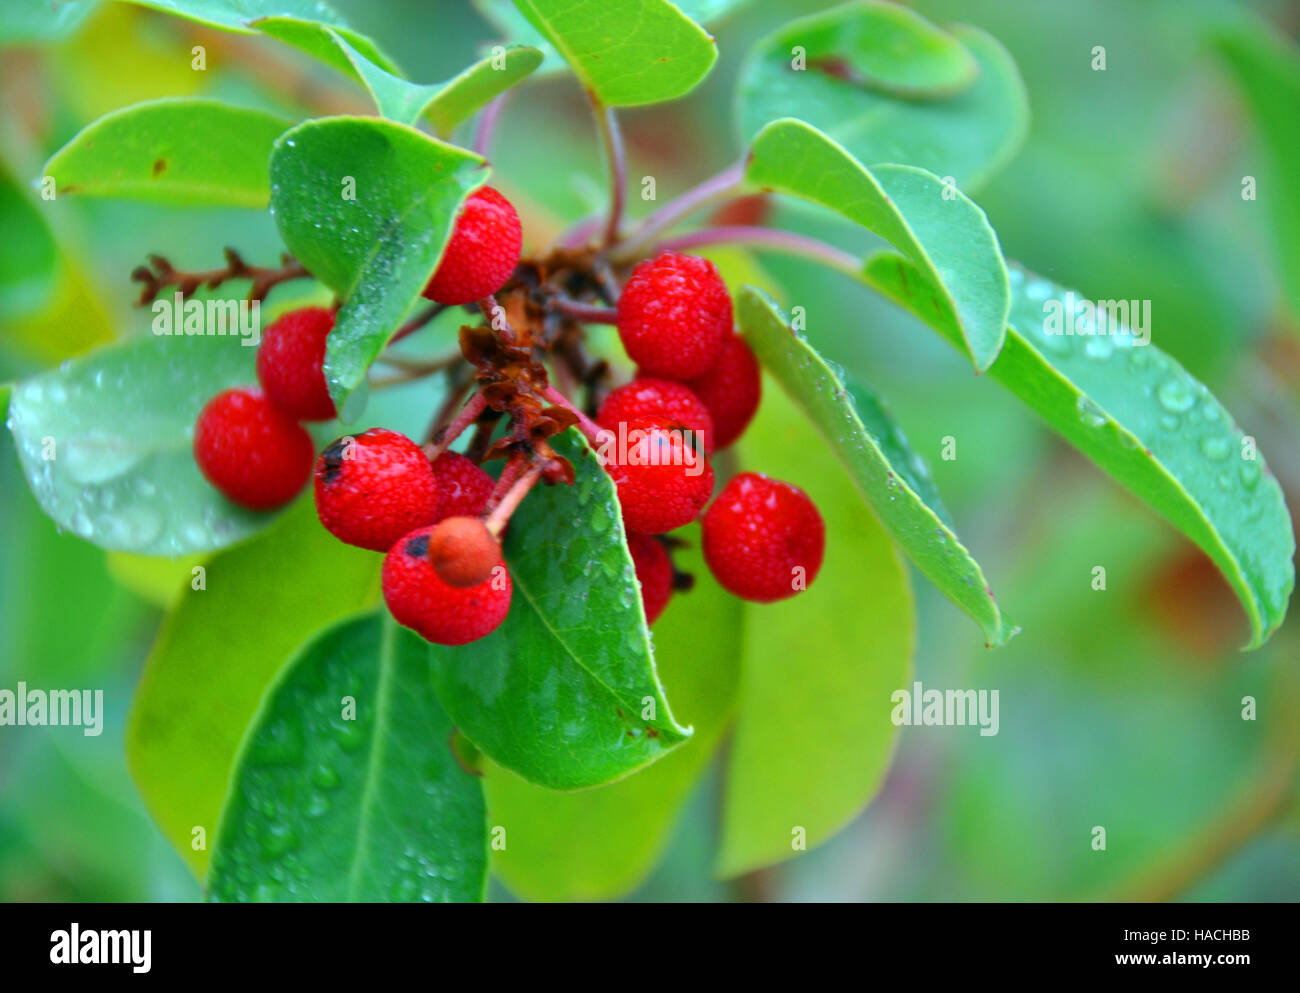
column 443, row 614
column 256, row 455
column 463, row 551
column 649, row 397
column 673, row 315
column 763, row 539
column 654, row 571
column 663, row 482
column 291, row 364
column 482, row 251
column 373, row 488
column 731, row 390
column 462, row 486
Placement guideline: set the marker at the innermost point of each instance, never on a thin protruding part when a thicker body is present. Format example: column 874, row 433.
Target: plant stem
column 417, row 322
column 585, row 312
column 487, row 124
column 496, row 520
column 467, row 416
column 586, row 425
column 778, row 241
column 713, row 189
column 509, row 473
column 580, row 233
column 614, row 153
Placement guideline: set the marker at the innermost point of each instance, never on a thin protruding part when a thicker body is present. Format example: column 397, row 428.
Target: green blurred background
column 1120, row 708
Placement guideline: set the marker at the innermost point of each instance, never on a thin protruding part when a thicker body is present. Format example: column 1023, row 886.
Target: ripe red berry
column 663, row 482
column 463, row 487
column 291, row 360
column 654, row 571
column 673, row 315
column 256, row 455
column 731, row 390
column 443, row 614
column 482, row 251
column 463, row 551
column 373, row 488
column 646, row 396
column 763, row 539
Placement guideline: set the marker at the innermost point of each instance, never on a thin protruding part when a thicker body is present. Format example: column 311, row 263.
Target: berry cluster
column 438, row 515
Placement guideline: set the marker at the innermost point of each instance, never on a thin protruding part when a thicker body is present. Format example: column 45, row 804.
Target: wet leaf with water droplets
column 367, row 206
column 558, row 692
column 406, row 822
column 878, row 458
column 106, row 443
column 1145, row 420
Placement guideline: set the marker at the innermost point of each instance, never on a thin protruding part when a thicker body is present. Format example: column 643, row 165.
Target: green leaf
column 889, row 48
column 183, row 151
column 888, row 474
column 217, row 652
column 27, row 24
column 106, row 443
column 346, row 788
column 449, row 102
column 1266, row 65
column 565, row 692
column 931, row 223
column 967, row 136
column 378, row 248
column 325, row 43
column 1140, row 416
column 240, row 16
column 626, row 52
column 813, row 735
column 599, row 844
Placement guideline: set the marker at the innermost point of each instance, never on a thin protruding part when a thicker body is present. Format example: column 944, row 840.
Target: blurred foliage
column 1119, row 708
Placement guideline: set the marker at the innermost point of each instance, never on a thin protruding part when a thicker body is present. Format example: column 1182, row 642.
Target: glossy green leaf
column 565, row 692
column 813, row 735
column 32, row 23
column 186, row 151
column 106, row 442
column 887, row 47
column 346, row 788
column 218, row 650
column 367, row 206
column 1266, row 65
column 322, row 42
column 240, row 16
column 1140, row 416
column 933, row 224
column 449, row 102
column 599, row 844
column 888, row 474
column 626, row 52
column 967, row 136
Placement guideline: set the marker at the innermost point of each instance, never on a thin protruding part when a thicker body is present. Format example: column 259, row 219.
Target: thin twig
column 160, row 273
column 487, row 124
column 585, row 312
column 417, row 322
column 586, row 425
column 496, row 520
column 786, row 242
column 617, row 161
column 712, row 190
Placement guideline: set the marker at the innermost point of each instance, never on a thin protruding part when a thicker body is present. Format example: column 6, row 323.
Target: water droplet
column 1090, row 413
column 1169, row 422
column 1176, row 396
column 97, row 459
column 1099, row 347
column 1249, row 474
column 1216, row 448
column 278, row 839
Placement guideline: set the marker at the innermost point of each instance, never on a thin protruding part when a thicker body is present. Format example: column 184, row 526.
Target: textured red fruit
column 256, row 455
column 463, row 487
column 673, row 315
column 463, row 551
column 731, row 390
column 654, row 571
column 482, row 251
column 663, row 483
column 291, row 363
column 443, row 614
column 373, row 488
column 763, row 539
column 646, row 396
